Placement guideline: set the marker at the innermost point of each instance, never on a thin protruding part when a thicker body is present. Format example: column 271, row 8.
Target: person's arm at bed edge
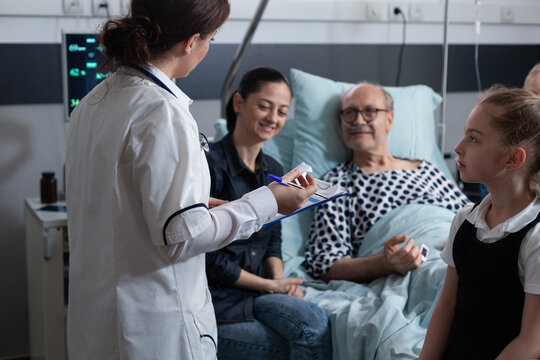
column 391, row 260
column 441, row 320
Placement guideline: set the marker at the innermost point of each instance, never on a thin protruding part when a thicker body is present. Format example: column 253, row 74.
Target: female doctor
column 138, row 191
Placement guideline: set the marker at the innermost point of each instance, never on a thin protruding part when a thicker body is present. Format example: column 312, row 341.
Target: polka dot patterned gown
column 339, row 226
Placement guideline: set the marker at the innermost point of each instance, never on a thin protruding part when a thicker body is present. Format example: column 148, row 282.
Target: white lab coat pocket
column 205, row 321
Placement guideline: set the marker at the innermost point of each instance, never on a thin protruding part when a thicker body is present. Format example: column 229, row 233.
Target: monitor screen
column 81, row 60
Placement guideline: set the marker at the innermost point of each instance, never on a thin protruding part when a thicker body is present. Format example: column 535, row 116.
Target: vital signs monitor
column 81, row 60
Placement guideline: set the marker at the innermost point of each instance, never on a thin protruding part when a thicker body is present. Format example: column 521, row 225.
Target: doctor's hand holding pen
column 289, row 198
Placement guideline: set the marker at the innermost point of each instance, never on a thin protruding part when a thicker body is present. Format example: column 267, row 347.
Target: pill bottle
column 48, row 187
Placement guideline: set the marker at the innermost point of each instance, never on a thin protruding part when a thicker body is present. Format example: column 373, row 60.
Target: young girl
column 490, row 302
column 258, row 310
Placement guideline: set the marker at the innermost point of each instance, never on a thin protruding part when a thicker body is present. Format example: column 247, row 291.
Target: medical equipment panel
column 82, row 57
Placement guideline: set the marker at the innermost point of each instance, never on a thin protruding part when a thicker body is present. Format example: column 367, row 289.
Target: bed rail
column 442, row 120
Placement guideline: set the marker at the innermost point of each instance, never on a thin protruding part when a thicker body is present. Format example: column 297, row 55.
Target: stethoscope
column 203, row 140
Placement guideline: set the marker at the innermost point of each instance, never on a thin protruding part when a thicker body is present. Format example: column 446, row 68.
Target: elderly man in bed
column 377, row 183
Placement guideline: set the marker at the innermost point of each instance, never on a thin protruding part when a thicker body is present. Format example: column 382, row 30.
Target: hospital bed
column 386, row 318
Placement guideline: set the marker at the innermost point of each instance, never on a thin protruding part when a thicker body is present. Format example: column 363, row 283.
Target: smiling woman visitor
column 261, row 314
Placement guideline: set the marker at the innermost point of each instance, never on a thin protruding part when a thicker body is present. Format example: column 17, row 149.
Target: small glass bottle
column 48, row 187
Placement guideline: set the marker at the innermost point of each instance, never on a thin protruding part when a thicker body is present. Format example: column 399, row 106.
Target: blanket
column 388, row 317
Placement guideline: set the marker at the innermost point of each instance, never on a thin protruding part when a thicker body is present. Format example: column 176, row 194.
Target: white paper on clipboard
column 328, row 190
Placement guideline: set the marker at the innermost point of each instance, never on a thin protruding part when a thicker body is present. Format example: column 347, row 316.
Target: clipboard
column 330, row 191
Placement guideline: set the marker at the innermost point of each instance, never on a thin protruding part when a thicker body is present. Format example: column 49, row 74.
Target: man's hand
column 403, row 259
column 289, row 198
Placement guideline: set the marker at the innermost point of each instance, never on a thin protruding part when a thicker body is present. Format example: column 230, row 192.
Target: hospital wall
column 33, row 131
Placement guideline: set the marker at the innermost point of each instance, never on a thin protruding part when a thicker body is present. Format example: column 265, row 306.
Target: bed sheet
column 388, row 317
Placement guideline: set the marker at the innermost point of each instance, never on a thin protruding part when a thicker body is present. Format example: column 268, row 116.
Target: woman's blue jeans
column 285, row 328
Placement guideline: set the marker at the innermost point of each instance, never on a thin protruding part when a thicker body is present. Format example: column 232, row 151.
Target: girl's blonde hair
column 517, row 116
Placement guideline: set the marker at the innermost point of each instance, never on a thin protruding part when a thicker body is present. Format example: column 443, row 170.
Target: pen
column 288, row 183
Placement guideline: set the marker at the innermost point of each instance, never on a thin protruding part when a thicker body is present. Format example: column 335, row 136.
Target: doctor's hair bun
column 155, row 26
column 126, row 41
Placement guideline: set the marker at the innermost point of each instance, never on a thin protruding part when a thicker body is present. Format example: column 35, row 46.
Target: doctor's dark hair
column 516, row 116
column 154, row 26
column 251, row 83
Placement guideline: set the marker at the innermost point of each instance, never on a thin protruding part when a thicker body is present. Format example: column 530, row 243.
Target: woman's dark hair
column 252, row 82
column 154, row 26
column 516, row 114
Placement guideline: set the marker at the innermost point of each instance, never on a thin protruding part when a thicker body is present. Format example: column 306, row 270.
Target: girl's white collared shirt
column 137, row 194
column 529, row 253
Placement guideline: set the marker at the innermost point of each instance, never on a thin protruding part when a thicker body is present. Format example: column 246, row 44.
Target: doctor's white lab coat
column 137, row 194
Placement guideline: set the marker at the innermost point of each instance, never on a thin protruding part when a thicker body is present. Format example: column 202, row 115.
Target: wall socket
column 98, row 9
column 374, row 11
column 507, row 14
column 416, row 12
column 392, row 16
column 72, row 7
